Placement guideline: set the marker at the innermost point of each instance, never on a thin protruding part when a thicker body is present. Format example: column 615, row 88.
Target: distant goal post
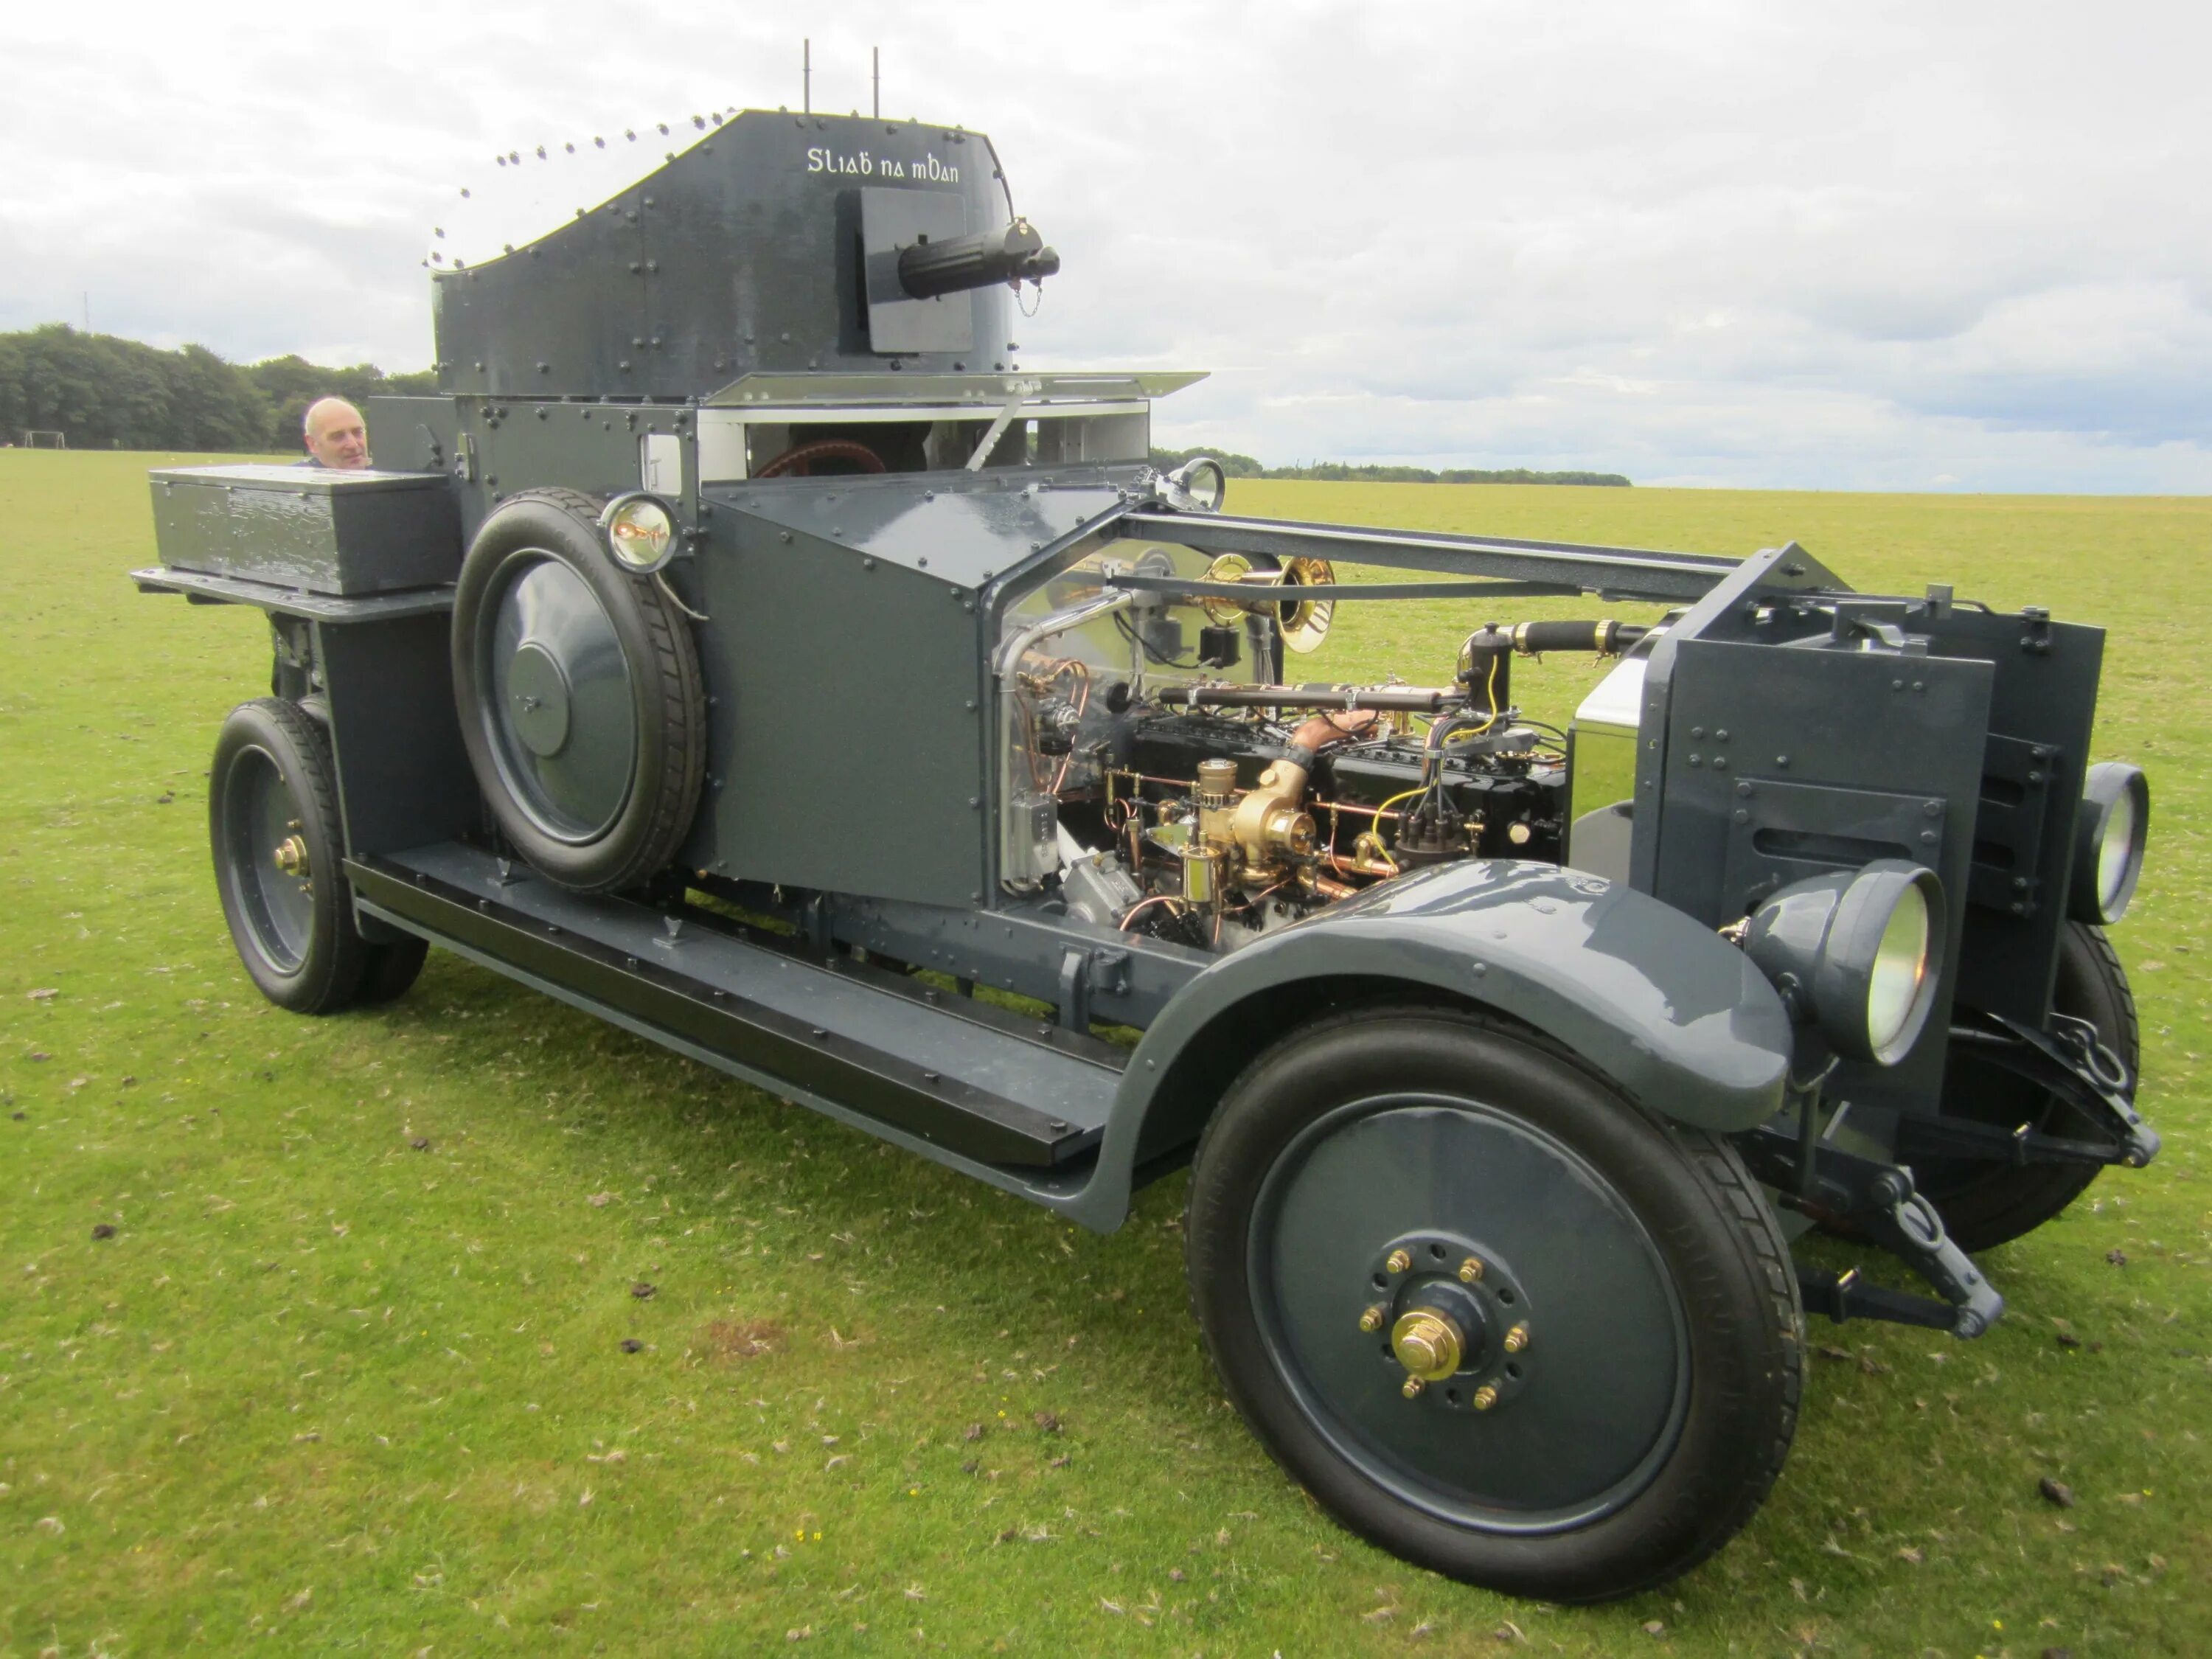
column 34, row 437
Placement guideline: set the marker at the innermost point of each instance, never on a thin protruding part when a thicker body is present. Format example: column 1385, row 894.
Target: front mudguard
column 1664, row 1007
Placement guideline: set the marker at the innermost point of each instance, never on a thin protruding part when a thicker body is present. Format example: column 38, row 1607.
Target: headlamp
column 1203, row 481
column 1857, row 952
column 2110, row 832
column 640, row 531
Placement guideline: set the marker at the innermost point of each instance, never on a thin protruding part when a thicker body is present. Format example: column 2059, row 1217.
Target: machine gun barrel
column 929, row 268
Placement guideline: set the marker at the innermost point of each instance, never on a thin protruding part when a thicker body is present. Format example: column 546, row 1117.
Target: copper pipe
column 1384, row 870
column 1376, row 813
column 1157, row 898
column 1253, row 903
column 1324, row 729
column 1184, row 784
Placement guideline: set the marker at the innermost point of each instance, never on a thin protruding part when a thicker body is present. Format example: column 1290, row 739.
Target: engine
column 1224, row 825
column 1208, row 812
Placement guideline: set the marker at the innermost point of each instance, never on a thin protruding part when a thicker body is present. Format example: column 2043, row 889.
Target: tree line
column 102, row 391
column 1244, row 466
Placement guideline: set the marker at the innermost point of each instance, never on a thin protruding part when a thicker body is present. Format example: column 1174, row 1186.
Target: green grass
column 326, row 1389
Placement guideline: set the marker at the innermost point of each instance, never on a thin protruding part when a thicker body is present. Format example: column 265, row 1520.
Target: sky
column 1957, row 246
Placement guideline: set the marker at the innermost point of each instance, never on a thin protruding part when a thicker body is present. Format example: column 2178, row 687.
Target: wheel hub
column 1458, row 1321
column 537, row 699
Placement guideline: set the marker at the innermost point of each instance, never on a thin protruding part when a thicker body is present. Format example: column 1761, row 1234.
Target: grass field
column 353, row 1371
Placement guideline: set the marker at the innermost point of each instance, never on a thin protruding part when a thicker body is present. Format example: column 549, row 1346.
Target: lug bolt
column 1484, row 1398
column 1371, row 1319
column 1470, row 1270
column 1517, row 1338
column 1412, row 1389
column 1398, row 1262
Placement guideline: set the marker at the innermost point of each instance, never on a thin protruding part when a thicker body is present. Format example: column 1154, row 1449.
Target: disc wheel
column 1597, row 1304
column 390, row 971
column 273, row 828
column 1985, row 1203
column 580, row 696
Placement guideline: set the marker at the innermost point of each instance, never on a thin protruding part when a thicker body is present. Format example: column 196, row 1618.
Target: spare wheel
column 579, row 696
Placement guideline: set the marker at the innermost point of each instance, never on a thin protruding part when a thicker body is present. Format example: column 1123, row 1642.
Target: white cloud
column 1866, row 247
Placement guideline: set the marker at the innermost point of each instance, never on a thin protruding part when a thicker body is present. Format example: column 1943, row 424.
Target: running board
column 977, row 1082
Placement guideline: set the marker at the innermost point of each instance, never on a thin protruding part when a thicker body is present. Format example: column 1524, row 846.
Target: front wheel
column 1986, row 1202
column 1494, row 1317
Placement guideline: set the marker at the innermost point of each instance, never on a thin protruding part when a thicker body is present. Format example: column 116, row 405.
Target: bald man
column 335, row 435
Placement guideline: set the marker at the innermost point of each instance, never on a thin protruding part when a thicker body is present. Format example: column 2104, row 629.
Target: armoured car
column 744, row 647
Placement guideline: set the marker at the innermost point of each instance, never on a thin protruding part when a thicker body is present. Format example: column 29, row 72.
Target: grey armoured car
column 745, row 648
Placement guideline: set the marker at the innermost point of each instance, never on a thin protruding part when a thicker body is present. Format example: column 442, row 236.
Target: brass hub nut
column 1484, row 1397
column 1427, row 1343
column 1470, row 1270
column 291, row 855
column 1398, row 1262
column 1517, row 1338
column 1371, row 1319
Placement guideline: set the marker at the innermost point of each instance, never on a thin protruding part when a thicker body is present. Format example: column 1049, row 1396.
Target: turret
column 773, row 242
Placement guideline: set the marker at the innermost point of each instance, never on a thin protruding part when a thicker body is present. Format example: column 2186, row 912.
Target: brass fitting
column 1427, row 1343
column 1517, row 1338
column 1369, row 856
column 1484, row 1398
column 1372, row 1319
column 1215, row 794
column 1398, row 1262
column 1412, row 1389
column 1268, row 823
column 1203, row 874
column 1470, row 1270
column 291, row 856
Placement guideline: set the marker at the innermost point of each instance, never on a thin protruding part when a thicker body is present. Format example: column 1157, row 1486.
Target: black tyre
column 390, row 971
column 273, row 827
column 1624, row 1383
column 1987, row 1203
column 580, row 696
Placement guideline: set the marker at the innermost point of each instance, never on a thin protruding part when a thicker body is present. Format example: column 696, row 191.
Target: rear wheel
column 1987, row 1203
column 390, row 971
column 1491, row 1315
column 273, row 827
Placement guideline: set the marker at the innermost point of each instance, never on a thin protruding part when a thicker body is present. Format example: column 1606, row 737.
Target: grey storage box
column 314, row 529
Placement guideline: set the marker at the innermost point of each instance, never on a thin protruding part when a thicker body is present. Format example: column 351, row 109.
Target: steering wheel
column 798, row 463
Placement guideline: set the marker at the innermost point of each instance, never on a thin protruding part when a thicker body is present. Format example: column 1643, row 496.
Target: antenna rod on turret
column 876, row 74
column 806, row 75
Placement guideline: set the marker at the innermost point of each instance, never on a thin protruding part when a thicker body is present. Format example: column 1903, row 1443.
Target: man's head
column 334, row 433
